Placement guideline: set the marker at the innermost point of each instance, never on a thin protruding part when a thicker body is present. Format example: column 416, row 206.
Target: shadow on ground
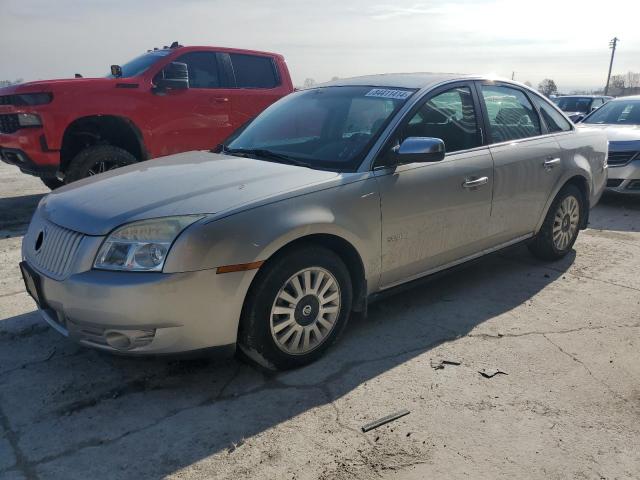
column 171, row 414
column 16, row 212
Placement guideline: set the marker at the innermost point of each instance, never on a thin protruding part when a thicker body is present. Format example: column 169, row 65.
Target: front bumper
column 145, row 313
column 27, row 149
column 625, row 179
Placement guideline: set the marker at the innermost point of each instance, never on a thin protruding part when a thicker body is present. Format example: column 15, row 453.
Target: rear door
column 436, row 213
column 256, row 84
column 527, row 160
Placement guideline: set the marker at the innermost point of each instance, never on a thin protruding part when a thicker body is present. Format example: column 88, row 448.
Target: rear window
column 252, row 71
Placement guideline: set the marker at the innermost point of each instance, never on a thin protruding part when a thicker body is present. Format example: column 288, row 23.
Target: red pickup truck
column 165, row 101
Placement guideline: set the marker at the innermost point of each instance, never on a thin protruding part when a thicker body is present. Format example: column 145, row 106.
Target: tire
column 268, row 318
column 51, row 182
column 560, row 228
column 97, row 159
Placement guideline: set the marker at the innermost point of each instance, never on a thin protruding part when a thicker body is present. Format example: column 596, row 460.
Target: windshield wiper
column 262, row 153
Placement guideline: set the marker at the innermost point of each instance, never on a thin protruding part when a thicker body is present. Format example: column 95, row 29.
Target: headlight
column 142, row 246
column 29, row 120
column 24, row 99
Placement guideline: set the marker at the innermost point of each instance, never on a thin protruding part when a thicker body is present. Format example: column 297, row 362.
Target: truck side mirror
column 174, row 76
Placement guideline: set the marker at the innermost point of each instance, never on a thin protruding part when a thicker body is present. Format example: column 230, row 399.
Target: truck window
column 252, row 71
column 203, row 69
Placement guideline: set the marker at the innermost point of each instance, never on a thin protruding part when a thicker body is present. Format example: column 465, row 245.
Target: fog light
column 118, row 340
column 29, row 120
column 128, row 339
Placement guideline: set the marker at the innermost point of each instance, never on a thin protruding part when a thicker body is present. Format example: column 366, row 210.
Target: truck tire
column 97, row 159
column 298, row 305
column 561, row 225
column 51, row 182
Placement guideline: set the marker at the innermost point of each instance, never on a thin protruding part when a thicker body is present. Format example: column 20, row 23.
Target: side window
column 511, row 115
column 597, row 102
column 254, row 72
column 203, row 69
column 555, row 121
column 449, row 116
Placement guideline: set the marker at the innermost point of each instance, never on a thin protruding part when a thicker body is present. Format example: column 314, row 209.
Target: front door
column 197, row 118
column 436, row 213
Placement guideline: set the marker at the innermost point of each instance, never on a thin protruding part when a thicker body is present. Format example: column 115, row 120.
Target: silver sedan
column 620, row 120
column 329, row 197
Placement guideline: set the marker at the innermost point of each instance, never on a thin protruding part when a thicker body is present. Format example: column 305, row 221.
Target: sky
column 564, row 40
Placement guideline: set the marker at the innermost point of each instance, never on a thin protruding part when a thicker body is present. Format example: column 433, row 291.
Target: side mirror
column 174, row 76
column 116, row 71
column 420, row 149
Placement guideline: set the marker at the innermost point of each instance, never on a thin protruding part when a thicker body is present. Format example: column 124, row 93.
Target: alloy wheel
column 565, row 222
column 305, row 311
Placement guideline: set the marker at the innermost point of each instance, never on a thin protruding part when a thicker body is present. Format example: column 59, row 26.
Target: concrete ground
column 567, row 335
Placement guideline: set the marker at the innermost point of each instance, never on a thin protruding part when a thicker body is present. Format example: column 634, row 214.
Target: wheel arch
column 581, row 182
column 344, row 249
column 92, row 130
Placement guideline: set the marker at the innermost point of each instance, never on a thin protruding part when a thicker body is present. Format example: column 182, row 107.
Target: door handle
column 551, row 162
column 476, row 182
column 219, row 99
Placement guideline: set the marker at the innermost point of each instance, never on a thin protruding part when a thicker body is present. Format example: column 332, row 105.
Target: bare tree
column 6, row 83
column 528, row 84
column 547, row 87
column 308, row 83
column 617, row 81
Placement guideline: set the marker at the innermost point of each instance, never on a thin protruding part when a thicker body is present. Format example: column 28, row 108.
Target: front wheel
column 561, row 225
column 298, row 305
column 97, row 159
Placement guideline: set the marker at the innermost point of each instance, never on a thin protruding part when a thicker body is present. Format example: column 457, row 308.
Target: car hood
column 187, row 183
column 616, row 133
column 64, row 85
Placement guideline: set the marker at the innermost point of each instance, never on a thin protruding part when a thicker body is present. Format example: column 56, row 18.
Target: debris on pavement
column 491, row 372
column 439, row 364
column 384, row 420
column 235, row 446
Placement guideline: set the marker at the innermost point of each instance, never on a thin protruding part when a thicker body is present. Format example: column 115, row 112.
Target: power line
column 612, row 45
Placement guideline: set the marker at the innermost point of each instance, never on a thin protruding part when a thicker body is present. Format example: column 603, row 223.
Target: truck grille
column 7, row 99
column 53, row 249
column 618, row 159
column 9, row 123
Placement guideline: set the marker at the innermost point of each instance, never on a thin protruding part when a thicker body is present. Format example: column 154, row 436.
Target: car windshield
column 328, row 128
column 140, row 64
column 574, row 104
column 620, row 112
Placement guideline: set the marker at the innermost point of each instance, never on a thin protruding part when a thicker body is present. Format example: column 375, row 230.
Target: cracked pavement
column 566, row 333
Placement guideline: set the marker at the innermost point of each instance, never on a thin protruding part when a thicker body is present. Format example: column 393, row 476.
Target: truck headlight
column 141, row 246
column 26, row 99
column 29, row 120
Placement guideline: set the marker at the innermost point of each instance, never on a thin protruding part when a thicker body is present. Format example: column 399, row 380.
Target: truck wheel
column 95, row 160
column 561, row 225
column 51, row 182
column 298, row 305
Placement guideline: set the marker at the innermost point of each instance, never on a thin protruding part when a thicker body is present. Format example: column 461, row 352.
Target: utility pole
column 513, row 74
column 612, row 46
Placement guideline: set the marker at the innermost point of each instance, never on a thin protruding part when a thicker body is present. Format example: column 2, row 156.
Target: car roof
column 404, row 80
column 584, row 96
column 628, row 97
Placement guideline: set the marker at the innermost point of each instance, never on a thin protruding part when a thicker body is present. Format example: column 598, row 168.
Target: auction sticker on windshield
column 388, row 93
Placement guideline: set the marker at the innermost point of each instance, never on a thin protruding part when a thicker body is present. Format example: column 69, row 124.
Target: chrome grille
column 618, row 159
column 57, row 251
column 9, row 123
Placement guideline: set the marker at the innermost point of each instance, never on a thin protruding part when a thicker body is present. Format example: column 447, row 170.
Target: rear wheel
column 561, row 225
column 298, row 305
column 97, row 159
